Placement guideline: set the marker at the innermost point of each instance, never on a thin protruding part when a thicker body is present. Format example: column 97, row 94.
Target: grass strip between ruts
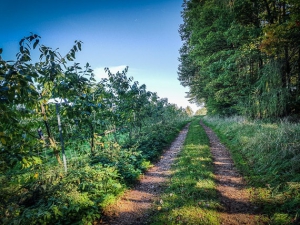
column 190, row 196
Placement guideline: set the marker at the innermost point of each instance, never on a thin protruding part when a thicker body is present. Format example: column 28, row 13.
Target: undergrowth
column 190, row 195
column 45, row 194
column 268, row 155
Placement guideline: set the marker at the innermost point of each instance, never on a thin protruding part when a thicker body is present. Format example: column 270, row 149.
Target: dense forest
column 242, row 56
column 241, row 60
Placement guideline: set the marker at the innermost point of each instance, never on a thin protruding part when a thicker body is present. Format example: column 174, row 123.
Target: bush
column 156, row 139
column 75, row 198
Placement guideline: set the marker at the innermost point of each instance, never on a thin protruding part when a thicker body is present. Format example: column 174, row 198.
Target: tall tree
column 241, row 56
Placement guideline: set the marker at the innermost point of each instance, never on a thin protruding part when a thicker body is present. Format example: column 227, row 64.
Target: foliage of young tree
column 242, row 56
column 201, row 112
column 189, row 111
column 107, row 131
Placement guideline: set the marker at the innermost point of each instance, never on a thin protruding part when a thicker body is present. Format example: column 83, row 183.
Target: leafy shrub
column 75, row 198
column 157, row 138
column 128, row 162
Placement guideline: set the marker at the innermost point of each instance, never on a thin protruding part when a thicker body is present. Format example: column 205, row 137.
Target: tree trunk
column 51, row 139
column 92, row 139
column 271, row 20
column 298, row 69
column 61, row 137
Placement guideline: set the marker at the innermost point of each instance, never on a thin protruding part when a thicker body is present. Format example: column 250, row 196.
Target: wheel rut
column 134, row 207
column 231, row 186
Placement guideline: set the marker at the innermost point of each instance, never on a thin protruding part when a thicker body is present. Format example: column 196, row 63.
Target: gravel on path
column 134, row 207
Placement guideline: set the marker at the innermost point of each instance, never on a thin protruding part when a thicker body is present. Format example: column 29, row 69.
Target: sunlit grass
column 190, row 196
column 268, row 155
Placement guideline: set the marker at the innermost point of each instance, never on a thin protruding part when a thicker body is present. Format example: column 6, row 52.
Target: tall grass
column 190, row 195
column 268, row 155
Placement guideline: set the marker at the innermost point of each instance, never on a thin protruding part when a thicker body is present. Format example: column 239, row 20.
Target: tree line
column 34, row 96
column 69, row 144
column 242, row 56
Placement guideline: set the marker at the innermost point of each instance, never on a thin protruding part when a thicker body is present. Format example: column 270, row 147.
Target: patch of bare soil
column 230, row 186
column 134, row 207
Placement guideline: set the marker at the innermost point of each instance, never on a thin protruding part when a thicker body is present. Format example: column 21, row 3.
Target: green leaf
column 1, row 50
column 21, row 42
column 29, row 78
column 30, row 38
column 3, row 141
column 35, row 43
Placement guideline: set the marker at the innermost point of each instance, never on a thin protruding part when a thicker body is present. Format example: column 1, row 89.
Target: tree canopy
column 242, row 56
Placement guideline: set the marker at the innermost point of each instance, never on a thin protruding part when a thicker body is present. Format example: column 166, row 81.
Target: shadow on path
column 231, row 187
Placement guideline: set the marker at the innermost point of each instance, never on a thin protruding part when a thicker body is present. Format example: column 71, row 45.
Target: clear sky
column 141, row 34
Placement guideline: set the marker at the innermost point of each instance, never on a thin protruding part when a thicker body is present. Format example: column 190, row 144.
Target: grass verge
column 268, row 156
column 190, row 196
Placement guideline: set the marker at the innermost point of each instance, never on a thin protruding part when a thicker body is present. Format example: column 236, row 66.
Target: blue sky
column 141, row 34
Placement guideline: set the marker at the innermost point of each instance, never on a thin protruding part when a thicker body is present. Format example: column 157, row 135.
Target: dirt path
column 230, row 185
column 134, row 206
